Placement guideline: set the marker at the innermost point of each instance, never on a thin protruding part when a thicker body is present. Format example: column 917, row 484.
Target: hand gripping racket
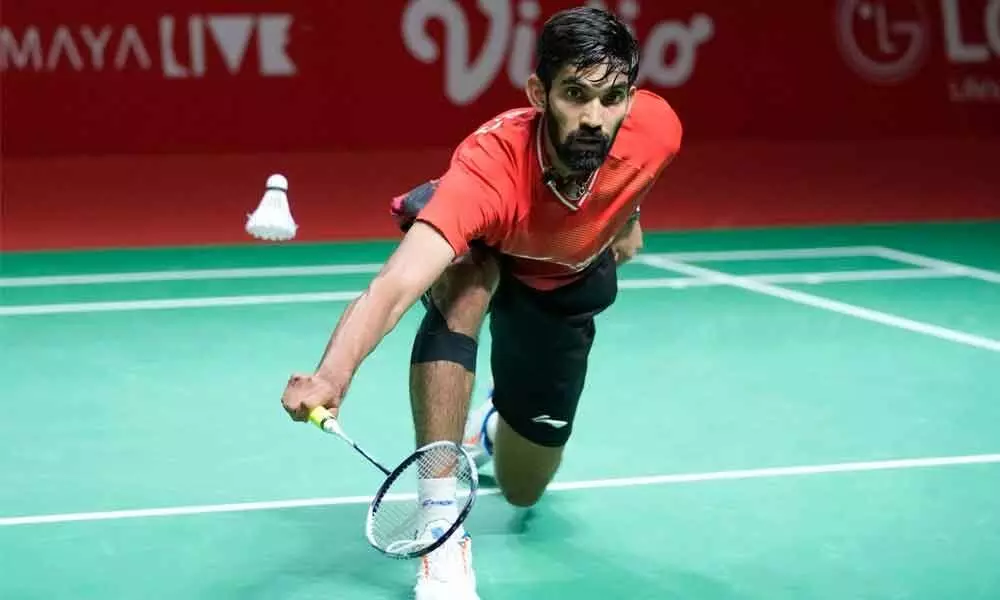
column 398, row 518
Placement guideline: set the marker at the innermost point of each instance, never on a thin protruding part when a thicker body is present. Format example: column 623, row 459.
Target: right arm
column 467, row 204
column 420, row 259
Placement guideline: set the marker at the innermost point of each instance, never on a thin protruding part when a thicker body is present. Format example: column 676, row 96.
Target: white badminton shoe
column 446, row 573
column 480, row 431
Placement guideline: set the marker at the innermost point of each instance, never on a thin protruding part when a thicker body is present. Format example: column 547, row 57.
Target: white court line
column 349, row 269
column 170, row 303
column 190, row 275
column 315, row 297
column 771, row 254
column 954, row 268
column 816, row 277
column 370, row 268
column 825, row 303
column 621, row 482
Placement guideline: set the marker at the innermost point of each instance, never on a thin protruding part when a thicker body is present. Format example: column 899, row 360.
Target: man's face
column 584, row 111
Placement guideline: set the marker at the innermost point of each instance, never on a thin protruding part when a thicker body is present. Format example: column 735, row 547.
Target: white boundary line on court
column 823, row 303
column 350, row 269
column 928, row 268
column 317, row 297
column 772, row 254
column 891, row 254
column 815, row 277
column 173, row 303
column 190, row 275
column 621, row 482
column 954, row 268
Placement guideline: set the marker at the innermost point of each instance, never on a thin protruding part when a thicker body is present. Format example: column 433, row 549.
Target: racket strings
column 406, row 523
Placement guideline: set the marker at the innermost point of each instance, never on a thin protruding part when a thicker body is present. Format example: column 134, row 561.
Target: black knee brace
column 435, row 342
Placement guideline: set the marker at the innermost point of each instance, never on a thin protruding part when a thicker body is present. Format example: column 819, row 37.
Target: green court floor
column 771, row 414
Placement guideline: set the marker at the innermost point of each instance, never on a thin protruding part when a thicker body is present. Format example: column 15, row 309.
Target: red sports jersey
column 494, row 191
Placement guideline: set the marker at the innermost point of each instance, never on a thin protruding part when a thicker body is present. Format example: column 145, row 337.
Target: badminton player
column 528, row 224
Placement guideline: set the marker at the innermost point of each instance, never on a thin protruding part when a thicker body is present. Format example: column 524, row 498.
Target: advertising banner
column 119, row 76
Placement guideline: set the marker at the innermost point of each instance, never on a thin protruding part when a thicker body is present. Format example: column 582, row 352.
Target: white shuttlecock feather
column 273, row 218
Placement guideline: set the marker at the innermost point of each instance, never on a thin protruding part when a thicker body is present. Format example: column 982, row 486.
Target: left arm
column 628, row 242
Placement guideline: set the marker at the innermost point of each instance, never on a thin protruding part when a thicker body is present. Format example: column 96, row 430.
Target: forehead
column 598, row 77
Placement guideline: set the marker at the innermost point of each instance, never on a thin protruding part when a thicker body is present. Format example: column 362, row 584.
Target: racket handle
column 321, row 417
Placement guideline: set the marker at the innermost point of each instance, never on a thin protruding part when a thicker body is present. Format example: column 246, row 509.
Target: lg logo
column 885, row 41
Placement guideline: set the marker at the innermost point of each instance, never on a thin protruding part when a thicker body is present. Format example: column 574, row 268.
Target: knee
column 458, row 305
column 522, row 497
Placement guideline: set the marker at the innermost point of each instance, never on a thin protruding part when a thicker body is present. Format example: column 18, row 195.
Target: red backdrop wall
column 165, row 118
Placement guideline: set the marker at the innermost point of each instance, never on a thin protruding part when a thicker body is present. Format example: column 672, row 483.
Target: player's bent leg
column 540, row 358
column 539, row 368
column 523, row 469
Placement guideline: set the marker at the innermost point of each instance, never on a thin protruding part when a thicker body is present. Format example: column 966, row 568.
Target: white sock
column 438, row 502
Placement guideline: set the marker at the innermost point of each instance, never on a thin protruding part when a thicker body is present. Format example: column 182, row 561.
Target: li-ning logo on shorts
column 884, row 41
column 547, row 420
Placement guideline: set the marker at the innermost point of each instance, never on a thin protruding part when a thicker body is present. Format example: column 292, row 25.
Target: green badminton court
column 771, row 414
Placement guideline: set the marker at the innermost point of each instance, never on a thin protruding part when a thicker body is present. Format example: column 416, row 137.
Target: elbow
column 396, row 292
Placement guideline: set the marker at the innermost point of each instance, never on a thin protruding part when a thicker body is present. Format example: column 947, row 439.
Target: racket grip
column 319, row 415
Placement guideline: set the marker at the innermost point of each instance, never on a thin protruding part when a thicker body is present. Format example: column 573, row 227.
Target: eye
column 615, row 97
column 574, row 93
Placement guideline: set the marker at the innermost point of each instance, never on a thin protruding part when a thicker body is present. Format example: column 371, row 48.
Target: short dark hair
column 585, row 37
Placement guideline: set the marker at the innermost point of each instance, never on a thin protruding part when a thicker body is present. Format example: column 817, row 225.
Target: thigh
column 463, row 292
column 541, row 350
column 539, row 368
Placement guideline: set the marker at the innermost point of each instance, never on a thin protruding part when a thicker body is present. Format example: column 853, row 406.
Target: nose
column 591, row 117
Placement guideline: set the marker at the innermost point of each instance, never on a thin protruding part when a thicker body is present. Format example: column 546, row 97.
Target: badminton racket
column 396, row 516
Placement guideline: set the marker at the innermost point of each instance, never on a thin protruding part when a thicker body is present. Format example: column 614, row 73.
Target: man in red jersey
column 528, row 225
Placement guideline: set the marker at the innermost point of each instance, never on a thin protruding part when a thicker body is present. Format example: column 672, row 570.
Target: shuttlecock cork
column 273, row 219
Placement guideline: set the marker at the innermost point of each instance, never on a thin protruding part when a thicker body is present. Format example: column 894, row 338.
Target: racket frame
column 323, row 419
column 383, row 491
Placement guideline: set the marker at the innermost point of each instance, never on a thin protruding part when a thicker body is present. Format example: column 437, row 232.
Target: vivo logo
column 469, row 72
column 110, row 47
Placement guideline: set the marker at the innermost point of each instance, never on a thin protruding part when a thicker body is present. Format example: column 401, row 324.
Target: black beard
column 595, row 147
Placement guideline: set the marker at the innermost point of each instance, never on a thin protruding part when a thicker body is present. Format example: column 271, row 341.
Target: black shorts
column 541, row 349
column 541, row 340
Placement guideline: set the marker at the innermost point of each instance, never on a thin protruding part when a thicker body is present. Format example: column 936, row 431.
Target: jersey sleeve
column 472, row 199
column 654, row 135
column 663, row 131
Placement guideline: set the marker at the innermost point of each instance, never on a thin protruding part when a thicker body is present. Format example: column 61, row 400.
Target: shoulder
column 486, row 166
column 497, row 148
column 651, row 133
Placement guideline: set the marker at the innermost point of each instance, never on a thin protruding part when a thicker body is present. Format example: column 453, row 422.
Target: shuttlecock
column 273, row 219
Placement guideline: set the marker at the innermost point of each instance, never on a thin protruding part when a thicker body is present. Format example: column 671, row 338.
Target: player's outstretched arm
column 418, row 261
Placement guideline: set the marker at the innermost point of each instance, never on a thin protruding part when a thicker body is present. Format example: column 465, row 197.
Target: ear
column 631, row 98
column 535, row 91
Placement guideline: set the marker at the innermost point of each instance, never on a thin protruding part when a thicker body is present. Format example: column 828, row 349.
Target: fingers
column 304, row 393
column 622, row 255
column 296, row 396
